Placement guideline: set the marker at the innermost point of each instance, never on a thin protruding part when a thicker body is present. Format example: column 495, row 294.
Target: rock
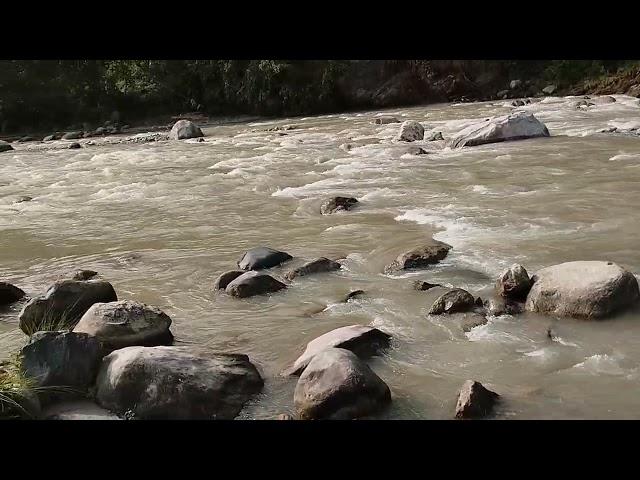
column 500, row 306
column 516, row 126
column 125, row 324
column 502, row 94
column 48, row 138
column 475, row 401
column 353, row 294
column 62, row 359
column 517, row 103
column 473, row 320
column 605, row 99
column 435, row 136
column 64, row 303
column 337, row 385
column 9, row 293
column 87, row 135
column 227, row 277
column 362, row 340
column 584, row 289
column 420, row 257
column 262, row 257
column 385, row 120
column 515, row 84
column 174, row 383
column 582, row 104
column 423, row 286
column 200, row 139
column 26, row 138
column 514, row 283
column 100, row 131
column 253, row 283
column 185, row 129
column 549, row 89
column 84, row 275
column 318, row 265
column 71, row 135
column 23, row 199
column 410, row 131
column 454, row 301
column 337, row 204
column 4, row 146
column 78, row 410
column 75, row 145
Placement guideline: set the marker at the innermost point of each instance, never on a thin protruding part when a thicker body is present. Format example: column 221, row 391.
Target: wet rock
column 354, row 294
column 514, row 283
column 318, row 265
column 23, row 199
column 253, row 283
column 62, row 359
column 517, row 126
column 262, row 257
column 502, row 94
column 549, row 89
column 9, row 293
column 226, row 278
column 605, row 99
column 582, row 104
column 475, row 401
column 125, row 324
column 87, row 135
column 280, row 128
column 434, row 136
column 420, row 257
column 100, row 131
column 75, row 145
column 200, row 139
column 424, row 286
column 64, row 303
column 72, row 135
column 174, row 383
column 472, row 320
column 515, row 84
column 415, row 150
column 185, row 129
column 338, row 385
column 81, row 275
column 362, row 340
column 454, row 301
column 501, row 306
column 77, row 410
column 4, row 146
column 385, row 120
column 49, row 138
column 517, row 103
column 410, row 131
column 337, row 204
column 583, row 289
column 26, row 138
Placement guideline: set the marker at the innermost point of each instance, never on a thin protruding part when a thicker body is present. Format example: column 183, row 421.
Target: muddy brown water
column 162, row 220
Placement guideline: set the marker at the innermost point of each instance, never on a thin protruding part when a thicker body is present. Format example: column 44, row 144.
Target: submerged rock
column 174, row 383
column 62, row 359
column 318, row 265
column 584, row 289
column 183, row 129
column 410, row 131
column 253, row 283
column 9, row 293
column 78, row 410
column 75, row 145
column 517, row 126
column 424, row 286
column 420, row 257
column 226, row 278
column 514, row 283
column 434, row 136
column 23, row 199
column 454, row 301
column 469, row 321
column 126, row 323
column 353, row 294
column 4, row 146
column 500, row 306
column 262, row 257
column 337, row 204
column 362, row 340
column 64, row 303
column 338, row 385
column 475, row 401
column 385, row 120
column 84, row 275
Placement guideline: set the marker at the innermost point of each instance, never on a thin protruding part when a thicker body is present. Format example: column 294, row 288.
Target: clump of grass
column 17, row 391
column 52, row 321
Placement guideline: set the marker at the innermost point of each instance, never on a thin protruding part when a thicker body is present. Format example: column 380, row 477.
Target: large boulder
column 125, row 324
column 262, row 257
column 362, row 340
column 514, row 283
column 9, row 293
column 475, row 401
column 420, row 257
column 315, row 266
column 585, row 289
column 337, row 204
column 63, row 304
column 337, row 385
column 410, row 131
column 453, row 301
column 62, row 359
column 175, row 383
column 226, row 278
column 4, row 146
column 517, row 126
column 183, row 129
column 253, row 283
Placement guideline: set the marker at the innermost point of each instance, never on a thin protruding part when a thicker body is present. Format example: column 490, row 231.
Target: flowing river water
column 161, row 220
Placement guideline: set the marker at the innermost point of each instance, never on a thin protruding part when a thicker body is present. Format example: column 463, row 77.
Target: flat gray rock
column 517, row 126
column 262, row 257
column 319, row 265
column 420, row 257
